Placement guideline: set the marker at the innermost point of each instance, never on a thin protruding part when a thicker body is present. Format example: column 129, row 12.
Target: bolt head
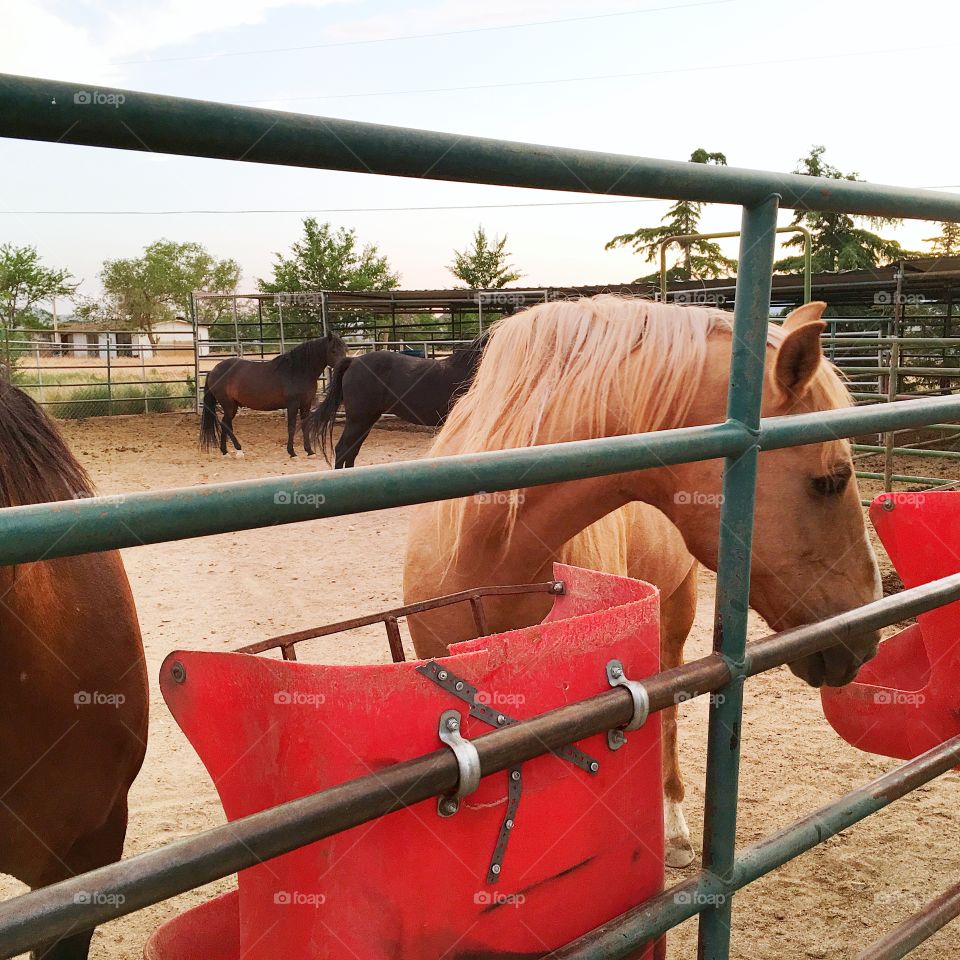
column 453, row 723
column 449, row 807
column 594, row 767
column 515, row 775
column 495, row 868
column 178, row 671
column 888, row 503
column 459, row 685
column 616, row 672
column 501, row 718
column 442, row 675
column 509, row 824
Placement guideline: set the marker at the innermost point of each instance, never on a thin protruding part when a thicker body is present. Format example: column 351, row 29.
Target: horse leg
column 676, row 619
column 304, row 413
column 230, row 408
column 292, row 409
column 348, row 446
column 104, row 845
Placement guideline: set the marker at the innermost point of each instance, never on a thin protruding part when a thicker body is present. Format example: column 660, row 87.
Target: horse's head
column 811, row 553
column 469, row 357
column 336, row 349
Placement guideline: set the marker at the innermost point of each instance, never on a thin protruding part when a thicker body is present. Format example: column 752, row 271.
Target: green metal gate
column 54, row 112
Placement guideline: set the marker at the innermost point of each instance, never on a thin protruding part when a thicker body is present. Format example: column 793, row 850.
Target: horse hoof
column 239, row 455
column 678, row 857
column 310, row 455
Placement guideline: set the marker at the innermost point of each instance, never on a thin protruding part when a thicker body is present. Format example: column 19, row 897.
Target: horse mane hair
column 470, row 354
column 592, row 367
column 36, row 466
column 308, row 357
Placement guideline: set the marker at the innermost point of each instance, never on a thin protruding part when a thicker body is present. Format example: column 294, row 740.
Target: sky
column 760, row 80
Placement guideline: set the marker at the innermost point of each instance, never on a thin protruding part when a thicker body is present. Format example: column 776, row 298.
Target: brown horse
column 610, row 366
column 73, row 684
column 286, row 382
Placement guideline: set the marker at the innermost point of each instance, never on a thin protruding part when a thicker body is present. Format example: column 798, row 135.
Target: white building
column 92, row 340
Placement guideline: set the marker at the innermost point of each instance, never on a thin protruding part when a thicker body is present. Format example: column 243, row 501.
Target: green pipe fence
column 55, row 111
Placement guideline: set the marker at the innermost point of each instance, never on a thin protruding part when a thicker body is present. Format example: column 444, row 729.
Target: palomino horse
column 414, row 389
column 611, row 366
column 73, row 688
column 285, row 382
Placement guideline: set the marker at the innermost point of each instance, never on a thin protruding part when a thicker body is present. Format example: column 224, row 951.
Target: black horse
column 412, row 388
column 285, row 382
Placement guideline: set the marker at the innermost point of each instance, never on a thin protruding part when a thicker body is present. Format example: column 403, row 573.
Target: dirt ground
column 221, row 592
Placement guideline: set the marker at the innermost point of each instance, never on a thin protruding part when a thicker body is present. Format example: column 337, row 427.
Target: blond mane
column 579, row 369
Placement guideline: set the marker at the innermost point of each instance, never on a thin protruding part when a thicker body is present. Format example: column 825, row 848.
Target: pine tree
column 699, row 259
column 838, row 243
column 947, row 244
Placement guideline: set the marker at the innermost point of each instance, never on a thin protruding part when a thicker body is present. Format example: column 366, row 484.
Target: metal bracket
column 467, row 692
column 468, row 763
column 616, row 677
column 514, row 789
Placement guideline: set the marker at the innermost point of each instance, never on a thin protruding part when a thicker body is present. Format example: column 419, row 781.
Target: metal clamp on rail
column 468, row 763
column 641, row 704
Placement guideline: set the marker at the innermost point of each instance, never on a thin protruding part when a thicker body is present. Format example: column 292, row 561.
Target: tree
column 329, row 260
column 838, row 243
column 484, row 266
column 24, row 283
column 699, row 259
column 147, row 290
column 947, row 244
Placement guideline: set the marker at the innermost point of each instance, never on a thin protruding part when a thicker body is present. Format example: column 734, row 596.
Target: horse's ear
column 808, row 313
column 799, row 355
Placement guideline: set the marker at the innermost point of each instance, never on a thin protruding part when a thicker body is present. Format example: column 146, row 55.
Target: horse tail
column 210, row 426
column 319, row 424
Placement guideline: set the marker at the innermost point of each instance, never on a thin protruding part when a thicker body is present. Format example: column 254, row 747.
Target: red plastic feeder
column 582, row 846
column 907, row 699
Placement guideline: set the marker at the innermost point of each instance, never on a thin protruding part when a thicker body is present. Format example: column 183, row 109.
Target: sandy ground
column 222, row 592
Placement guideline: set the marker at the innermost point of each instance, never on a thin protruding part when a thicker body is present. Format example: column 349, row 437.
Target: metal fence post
column 893, row 380
column 109, row 377
column 751, row 316
column 196, row 354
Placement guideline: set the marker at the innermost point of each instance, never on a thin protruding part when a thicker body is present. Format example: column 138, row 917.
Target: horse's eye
column 834, row 483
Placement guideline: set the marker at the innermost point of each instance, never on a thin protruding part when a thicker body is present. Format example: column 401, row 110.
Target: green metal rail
column 45, row 110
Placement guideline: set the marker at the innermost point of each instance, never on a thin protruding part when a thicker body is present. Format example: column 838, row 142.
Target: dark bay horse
column 414, row 389
column 286, row 382
column 73, row 682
